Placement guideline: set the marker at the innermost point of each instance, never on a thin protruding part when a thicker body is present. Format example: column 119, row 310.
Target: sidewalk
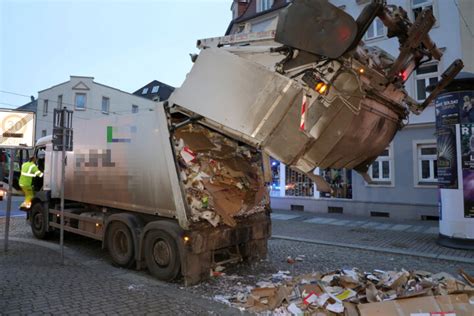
column 416, row 238
column 16, row 201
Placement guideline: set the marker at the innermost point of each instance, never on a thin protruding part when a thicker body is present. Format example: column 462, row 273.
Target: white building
column 88, row 99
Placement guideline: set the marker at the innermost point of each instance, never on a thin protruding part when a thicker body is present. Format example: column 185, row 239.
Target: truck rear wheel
column 162, row 255
column 120, row 244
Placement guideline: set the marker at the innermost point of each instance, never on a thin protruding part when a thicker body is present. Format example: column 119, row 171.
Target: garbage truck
column 181, row 189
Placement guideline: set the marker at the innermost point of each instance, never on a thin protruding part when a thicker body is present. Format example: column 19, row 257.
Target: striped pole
column 304, row 106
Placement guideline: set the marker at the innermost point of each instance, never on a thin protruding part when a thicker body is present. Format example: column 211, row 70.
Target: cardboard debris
column 469, row 279
column 428, row 305
column 355, row 293
column 223, row 179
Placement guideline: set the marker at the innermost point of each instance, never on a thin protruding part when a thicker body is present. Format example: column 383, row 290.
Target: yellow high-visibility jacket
column 28, row 171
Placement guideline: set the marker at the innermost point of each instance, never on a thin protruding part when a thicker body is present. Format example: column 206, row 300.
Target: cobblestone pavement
column 381, row 234
column 34, row 281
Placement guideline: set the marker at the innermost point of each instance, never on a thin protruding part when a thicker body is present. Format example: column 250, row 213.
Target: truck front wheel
column 38, row 222
column 162, row 255
column 120, row 244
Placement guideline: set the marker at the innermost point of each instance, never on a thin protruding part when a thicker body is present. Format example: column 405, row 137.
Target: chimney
column 239, row 7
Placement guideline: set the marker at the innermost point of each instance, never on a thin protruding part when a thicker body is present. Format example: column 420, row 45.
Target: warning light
column 186, row 238
column 361, row 70
column 321, row 87
column 97, row 224
column 403, row 75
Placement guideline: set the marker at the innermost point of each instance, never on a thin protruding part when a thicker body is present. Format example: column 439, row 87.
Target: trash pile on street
column 222, row 178
column 352, row 292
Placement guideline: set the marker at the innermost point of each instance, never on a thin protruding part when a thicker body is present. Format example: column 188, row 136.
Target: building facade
column 405, row 176
column 88, row 99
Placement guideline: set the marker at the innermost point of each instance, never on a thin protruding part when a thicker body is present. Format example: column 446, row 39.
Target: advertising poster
column 466, row 106
column 447, row 110
column 467, row 160
column 447, row 160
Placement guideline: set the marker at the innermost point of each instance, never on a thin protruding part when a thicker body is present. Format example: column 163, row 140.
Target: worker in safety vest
column 29, row 170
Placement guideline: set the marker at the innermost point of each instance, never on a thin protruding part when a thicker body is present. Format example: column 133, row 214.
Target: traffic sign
column 17, row 129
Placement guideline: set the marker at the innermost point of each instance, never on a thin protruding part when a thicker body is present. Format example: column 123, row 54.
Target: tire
column 120, row 244
column 38, row 222
column 162, row 255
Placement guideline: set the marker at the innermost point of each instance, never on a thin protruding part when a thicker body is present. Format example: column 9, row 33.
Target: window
column 426, row 75
column 60, row 101
column 43, row 133
column 155, row 89
column 80, row 101
column 134, row 108
column 145, row 91
column 297, row 183
column 263, row 5
column 376, row 29
column 419, row 5
column 381, row 169
column 105, row 105
column 427, row 163
column 45, row 107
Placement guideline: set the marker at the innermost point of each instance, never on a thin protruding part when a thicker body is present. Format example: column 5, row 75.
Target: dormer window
column 264, row 5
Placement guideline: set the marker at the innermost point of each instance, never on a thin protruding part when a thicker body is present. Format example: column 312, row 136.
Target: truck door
column 21, row 156
column 40, row 153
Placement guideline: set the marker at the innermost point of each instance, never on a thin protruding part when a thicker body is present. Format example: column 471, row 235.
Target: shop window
column 298, row 184
column 275, row 185
column 340, row 181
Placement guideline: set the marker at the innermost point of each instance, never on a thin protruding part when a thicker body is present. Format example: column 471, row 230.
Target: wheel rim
column 121, row 244
column 38, row 221
column 161, row 253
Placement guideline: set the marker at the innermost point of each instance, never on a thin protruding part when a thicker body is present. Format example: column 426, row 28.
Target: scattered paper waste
column 350, row 292
column 223, row 179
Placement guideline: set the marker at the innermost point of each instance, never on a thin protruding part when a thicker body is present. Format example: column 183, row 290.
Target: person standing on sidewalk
column 29, row 170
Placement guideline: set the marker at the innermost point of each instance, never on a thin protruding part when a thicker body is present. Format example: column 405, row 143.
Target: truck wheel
column 162, row 255
column 38, row 222
column 120, row 244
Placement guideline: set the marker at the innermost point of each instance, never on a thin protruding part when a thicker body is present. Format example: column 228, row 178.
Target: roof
column 163, row 93
column 251, row 12
column 30, row 106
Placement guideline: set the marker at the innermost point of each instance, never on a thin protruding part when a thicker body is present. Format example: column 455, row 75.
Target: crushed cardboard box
column 351, row 292
column 223, row 179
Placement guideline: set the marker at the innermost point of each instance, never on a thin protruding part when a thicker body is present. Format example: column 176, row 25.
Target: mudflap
column 209, row 247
